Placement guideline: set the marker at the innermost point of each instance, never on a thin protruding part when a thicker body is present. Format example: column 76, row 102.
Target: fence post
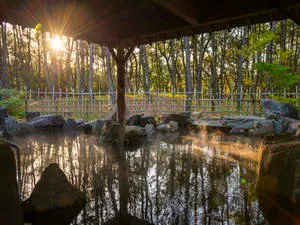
column 73, row 103
column 45, row 102
column 297, row 99
column 59, row 103
column 241, row 100
column 284, row 93
column 26, row 100
column 67, row 103
column 53, row 102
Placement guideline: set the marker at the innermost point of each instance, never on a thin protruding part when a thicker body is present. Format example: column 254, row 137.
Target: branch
column 115, row 57
column 129, row 51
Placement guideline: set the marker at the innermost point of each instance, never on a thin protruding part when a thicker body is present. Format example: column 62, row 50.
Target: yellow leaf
column 38, row 27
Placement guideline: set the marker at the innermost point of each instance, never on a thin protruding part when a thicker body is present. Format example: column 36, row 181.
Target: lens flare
column 56, row 43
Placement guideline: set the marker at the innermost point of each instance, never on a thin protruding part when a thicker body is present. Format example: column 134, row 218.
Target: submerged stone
column 54, row 200
column 280, row 167
column 10, row 207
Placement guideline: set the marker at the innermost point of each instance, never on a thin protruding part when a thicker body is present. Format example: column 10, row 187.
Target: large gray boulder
column 10, row 207
column 252, row 125
column 242, row 122
column 31, row 115
column 183, row 119
column 171, row 126
column 280, row 167
column 141, row 120
column 93, row 127
column 110, row 132
column 3, row 115
column 150, row 130
column 211, row 124
column 97, row 126
column 293, row 126
column 87, row 128
column 262, row 127
column 11, row 126
column 70, row 125
column 54, row 200
column 147, row 119
column 132, row 132
column 274, row 110
column 48, row 121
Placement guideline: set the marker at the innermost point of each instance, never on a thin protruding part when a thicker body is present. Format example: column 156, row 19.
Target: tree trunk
column 240, row 68
column 188, row 85
column 145, row 66
column 214, row 78
column 45, row 63
column 111, row 86
column 269, row 57
column 4, row 81
column 173, row 73
column 222, row 62
column 70, row 83
column 91, row 67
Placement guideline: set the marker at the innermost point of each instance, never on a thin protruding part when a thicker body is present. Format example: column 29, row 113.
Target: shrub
column 13, row 100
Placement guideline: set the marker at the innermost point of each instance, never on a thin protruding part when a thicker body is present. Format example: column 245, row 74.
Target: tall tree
column 45, row 60
column 91, row 65
column 111, row 86
column 214, row 76
column 145, row 66
column 269, row 56
column 4, row 81
column 241, row 59
column 188, row 76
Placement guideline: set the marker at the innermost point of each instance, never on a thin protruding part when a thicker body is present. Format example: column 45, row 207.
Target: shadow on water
column 193, row 179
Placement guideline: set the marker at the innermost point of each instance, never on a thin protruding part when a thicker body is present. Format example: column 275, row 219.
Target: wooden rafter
column 181, row 8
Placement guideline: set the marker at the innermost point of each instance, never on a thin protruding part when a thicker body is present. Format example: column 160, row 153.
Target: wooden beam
column 293, row 14
column 181, row 8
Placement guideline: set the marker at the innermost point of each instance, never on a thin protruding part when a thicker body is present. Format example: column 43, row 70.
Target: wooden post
column 121, row 57
column 121, row 85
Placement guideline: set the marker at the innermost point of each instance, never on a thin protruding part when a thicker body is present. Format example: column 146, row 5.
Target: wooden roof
column 109, row 22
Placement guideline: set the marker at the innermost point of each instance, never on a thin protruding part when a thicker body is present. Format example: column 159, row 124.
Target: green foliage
column 279, row 75
column 13, row 100
column 257, row 42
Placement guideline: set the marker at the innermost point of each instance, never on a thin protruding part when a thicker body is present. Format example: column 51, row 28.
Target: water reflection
column 202, row 179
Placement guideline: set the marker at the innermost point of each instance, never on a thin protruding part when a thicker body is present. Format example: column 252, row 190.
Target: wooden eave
column 133, row 22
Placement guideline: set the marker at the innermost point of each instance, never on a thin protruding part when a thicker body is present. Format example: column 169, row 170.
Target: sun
column 56, row 43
